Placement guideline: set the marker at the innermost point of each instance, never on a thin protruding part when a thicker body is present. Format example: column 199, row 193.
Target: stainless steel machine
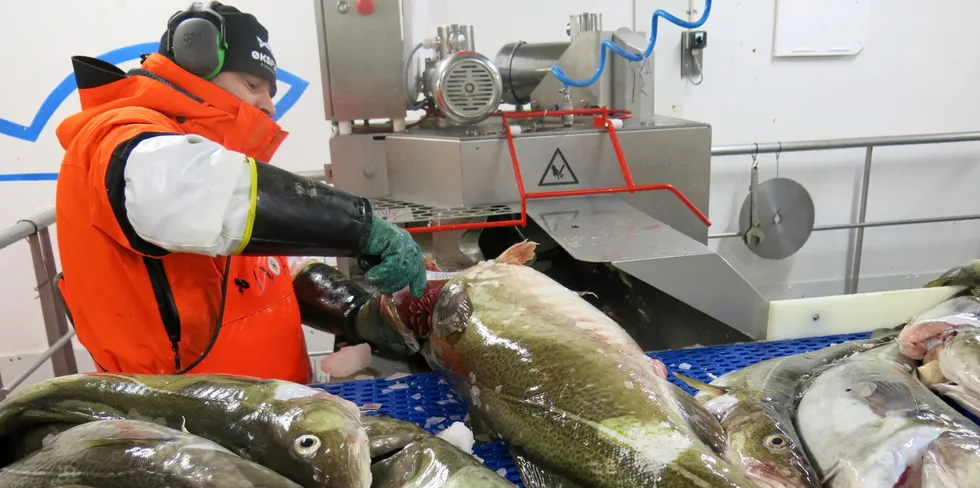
column 487, row 143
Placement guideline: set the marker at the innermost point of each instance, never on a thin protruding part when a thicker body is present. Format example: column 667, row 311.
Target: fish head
column 763, row 443
column 320, row 442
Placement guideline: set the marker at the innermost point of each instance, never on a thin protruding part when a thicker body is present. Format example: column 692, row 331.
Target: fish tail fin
column 702, row 386
column 519, row 253
column 888, row 332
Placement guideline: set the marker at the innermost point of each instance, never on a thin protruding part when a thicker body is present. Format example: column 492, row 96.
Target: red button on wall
column 365, row 7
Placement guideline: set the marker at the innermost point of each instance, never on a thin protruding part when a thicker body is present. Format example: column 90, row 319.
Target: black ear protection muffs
column 195, row 40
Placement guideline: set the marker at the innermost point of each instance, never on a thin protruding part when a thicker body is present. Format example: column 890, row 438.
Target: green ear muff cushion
column 221, row 59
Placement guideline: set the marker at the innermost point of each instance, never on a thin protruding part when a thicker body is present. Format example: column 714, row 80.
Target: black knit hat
column 248, row 45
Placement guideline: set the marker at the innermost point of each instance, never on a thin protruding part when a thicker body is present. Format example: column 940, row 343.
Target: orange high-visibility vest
column 127, row 298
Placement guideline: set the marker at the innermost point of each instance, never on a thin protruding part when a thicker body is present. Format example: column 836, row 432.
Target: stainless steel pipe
column 857, row 142
column 864, row 225
column 25, row 228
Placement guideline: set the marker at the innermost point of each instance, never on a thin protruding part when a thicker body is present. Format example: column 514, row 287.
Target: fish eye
column 307, row 445
column 776, row 442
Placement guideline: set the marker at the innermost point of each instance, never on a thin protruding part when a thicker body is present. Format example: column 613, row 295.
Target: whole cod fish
column 311, row 437
column 133, row 453
column 756, row 405
column 866, row 421
column 563, row 384
column 410, row 457
column 952, row 461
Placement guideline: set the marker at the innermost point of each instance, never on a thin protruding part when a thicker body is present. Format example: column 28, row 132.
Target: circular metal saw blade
column 786, row 217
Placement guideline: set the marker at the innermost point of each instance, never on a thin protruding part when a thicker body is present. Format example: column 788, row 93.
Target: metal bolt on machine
column 615, row 195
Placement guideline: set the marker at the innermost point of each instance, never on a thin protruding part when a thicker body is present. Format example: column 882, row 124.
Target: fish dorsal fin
column 705, row 426
column 535, row 476
column 128, row 441
column 481, row 428
column 712, row 390
column 520, row 253
column 829, row 475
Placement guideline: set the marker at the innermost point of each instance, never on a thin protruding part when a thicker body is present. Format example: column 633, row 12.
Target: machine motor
column 463, row 85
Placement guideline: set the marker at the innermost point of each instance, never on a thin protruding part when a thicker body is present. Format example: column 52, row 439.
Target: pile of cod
column 577, row 401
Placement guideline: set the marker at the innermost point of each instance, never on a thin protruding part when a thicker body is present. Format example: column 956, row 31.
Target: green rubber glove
column 401, row 259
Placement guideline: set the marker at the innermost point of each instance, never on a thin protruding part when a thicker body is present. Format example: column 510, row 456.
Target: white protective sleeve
column 186, row 193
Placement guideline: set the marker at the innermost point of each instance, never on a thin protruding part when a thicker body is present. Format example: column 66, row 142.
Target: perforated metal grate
column 400, row 212
column 427, row 401
column 469, row 88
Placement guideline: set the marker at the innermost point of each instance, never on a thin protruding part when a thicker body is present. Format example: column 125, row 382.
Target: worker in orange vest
column 174, row 231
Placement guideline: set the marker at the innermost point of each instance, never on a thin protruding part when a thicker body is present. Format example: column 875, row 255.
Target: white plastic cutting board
column 848, row 314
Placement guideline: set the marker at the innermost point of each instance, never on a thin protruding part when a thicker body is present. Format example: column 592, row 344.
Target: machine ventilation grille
column 469, row 88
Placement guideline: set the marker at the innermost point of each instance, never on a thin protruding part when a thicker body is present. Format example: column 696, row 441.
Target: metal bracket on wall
column 692, row 53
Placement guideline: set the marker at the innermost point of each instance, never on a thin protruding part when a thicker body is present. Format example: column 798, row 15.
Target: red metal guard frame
column 602, row 118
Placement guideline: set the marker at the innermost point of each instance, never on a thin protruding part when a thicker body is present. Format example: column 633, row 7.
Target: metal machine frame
column 604, row 185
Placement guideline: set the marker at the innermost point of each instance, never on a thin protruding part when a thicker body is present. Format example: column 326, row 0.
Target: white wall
column 915, row 75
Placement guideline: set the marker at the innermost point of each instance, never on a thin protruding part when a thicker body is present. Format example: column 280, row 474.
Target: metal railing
column 59, row 335
column 857, row 228
column 35, row 230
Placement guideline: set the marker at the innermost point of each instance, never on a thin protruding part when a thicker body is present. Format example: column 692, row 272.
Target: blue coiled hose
column 607, row 44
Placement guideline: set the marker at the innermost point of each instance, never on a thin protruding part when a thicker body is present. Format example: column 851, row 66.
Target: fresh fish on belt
column 311, row 437
column 133, row 453
column 414, row 458
column 952, row 461
column 947, row 339
column 564, row 385
column 756, row 406
column 959, row 363
column 866, row 421
column 933, row 327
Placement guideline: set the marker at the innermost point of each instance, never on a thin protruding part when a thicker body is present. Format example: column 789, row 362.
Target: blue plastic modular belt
column 427, row 400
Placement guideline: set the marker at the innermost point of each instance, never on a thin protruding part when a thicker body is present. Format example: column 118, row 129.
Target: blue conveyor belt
column 428, row 401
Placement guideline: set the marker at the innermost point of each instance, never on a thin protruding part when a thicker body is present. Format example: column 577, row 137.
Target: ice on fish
column 458, row 435
column 434, row 420
column 502, row 472
column 347, row 361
